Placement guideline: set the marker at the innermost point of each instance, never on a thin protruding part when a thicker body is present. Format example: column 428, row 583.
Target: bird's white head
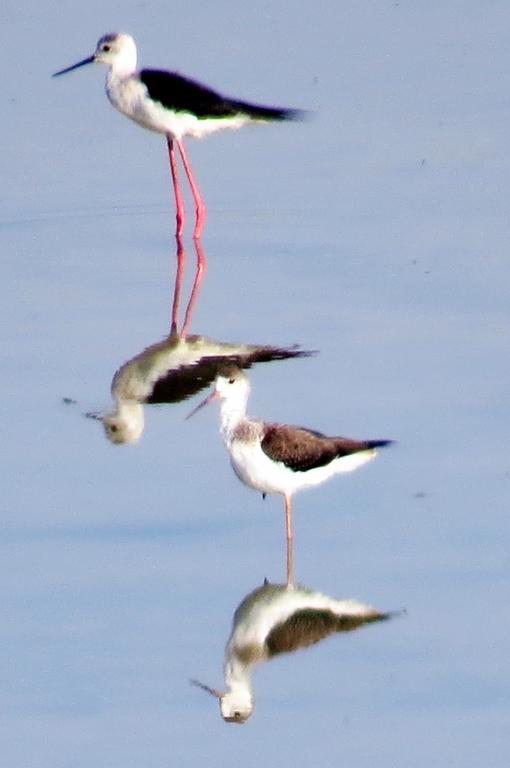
column 121, row 429
column 231, row 385
column 123, row 425
column 236, row 705
column 117, row 50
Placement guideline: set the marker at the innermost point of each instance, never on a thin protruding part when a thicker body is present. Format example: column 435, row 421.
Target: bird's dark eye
column 105, row 48
column 231, row 381
column 113, row 428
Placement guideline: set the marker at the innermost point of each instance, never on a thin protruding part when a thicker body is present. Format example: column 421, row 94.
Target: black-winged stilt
column 275, row 619
column 277, row 458
column 172, row 370
column 177, row 106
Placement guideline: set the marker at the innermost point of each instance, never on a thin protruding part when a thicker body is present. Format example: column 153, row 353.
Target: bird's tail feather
column 260, row 112
column 379, row 443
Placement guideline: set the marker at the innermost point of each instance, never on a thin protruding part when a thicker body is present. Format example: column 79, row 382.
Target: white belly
column 256, row 470
column 129, row 96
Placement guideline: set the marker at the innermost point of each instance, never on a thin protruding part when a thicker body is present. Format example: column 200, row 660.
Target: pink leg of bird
column 199, row 203
column 195, row 288
column 179, row 206
column 288, row 530
column 181, row 258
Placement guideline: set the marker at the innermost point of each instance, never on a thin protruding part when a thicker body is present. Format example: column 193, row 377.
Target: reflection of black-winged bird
column 173, row 370
column 274, row 619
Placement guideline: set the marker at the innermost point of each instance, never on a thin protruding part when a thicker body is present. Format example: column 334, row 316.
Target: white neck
column 124, row 62
column 232, row 412
column 237, row 680
column 130, row 410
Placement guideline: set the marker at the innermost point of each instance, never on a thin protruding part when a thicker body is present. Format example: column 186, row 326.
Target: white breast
column 255, row 469
column 130, row 96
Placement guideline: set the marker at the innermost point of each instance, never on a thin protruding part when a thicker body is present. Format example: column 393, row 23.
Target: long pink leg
column 195, row 289
column 181, row 258
column 199, row 203
column 179, row 205
column 288, row 530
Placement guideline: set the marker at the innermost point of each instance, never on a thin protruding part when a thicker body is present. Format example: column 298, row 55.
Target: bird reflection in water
column 275, row 619
column 179, row 366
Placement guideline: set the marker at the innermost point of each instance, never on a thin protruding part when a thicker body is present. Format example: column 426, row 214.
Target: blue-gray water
column 377, row 233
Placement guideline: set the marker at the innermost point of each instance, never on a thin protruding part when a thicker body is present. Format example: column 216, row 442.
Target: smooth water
column 376, row 233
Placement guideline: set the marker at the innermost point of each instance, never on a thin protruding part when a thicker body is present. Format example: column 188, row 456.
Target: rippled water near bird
column 376, row 234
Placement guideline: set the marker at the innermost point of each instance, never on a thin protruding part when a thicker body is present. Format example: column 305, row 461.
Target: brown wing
column 309, row 626
column 301, row 449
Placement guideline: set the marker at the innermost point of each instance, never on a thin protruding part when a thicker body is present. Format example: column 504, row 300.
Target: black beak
column 88, row 60
column 93, row 415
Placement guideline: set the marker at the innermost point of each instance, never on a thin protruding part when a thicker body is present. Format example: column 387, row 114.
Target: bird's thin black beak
column 88, row 60
column 213, row 691
column 212, row 396
column 93, row 415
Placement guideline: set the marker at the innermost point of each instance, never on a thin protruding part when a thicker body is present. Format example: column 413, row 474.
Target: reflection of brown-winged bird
column 274, row 619
column 171, row 371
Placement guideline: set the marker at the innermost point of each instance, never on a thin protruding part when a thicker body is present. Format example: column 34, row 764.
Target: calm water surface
column 376, row 233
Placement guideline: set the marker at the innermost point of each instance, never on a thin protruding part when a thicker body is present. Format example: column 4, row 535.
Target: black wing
column 179, row 384
column 182, row 94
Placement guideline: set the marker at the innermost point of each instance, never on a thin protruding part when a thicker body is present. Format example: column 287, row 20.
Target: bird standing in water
column 278, row 458
column 169, row 103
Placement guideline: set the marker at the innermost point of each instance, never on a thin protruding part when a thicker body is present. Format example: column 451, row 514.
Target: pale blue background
column 378, row 233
